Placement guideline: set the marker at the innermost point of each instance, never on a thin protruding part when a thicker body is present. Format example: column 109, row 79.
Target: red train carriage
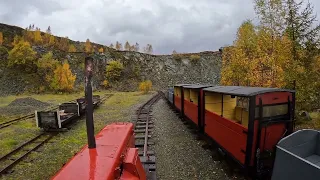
column 247, row 122
column 113, row 158
column 193, row 103
column 178, row 97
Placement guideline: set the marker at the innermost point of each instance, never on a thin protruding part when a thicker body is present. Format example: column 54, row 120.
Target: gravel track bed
column 179, row 155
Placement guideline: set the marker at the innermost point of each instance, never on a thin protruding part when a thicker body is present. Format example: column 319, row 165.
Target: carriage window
column 243, row 102
column 273, row 110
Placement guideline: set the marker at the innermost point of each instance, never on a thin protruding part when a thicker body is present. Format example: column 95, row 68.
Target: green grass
column 11, row 137
column 313, row 124
column 44, row 164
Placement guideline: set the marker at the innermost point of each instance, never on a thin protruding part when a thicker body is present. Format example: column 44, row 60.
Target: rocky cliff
column 162, row 70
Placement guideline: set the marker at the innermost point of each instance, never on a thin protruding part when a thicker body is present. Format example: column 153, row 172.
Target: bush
column 105, row 83
column 114, row 70
column 194, row 57
column 145, row 86
column 22, row 54
column 46, row 66
column 177, row 57
column 3, row 51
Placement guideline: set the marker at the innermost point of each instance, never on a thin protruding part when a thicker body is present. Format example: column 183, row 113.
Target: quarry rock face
column 162, row 70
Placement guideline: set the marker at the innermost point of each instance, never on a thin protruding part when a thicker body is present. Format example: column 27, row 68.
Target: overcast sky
column 181, row 25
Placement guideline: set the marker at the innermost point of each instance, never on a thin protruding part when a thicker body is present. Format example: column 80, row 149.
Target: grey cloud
column 15, row 10
column 183, row 25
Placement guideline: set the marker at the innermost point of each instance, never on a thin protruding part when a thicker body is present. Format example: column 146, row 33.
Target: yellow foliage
column 1, row 38
column 101, row 50
column 46, row 66
column 63, row 79
column 28, row 36
column 64, row 44
column 105, row 83
column 46, row 39
column 176, row 56
column 72, row 48
column 256, row 59
column 21, row 54
column 194, row 57
column 145, row 86
column 37, row 37
column 114, row 70
column 51, row 40
column 88, row 46
column 16, row 40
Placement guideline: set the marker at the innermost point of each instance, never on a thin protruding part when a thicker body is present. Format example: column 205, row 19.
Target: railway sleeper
column 141, row 130
column 143, row 122
column 148, row 159
column 148, row 153
column 149, row 167
column 141, row 136
column 141, row 144
column 144, row 126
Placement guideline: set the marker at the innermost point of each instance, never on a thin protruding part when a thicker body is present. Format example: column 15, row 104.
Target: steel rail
column 20, row 149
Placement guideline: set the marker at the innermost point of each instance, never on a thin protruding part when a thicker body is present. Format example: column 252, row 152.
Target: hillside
column 162, row 70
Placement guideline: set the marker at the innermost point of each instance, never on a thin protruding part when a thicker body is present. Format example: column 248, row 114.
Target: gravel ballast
column 179, row 155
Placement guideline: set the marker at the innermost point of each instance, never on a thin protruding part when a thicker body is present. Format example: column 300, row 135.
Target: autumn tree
column 63, row 79
column 28, row 36
column 51, row 40
column 101, row 50
column 63, row 44
column 118, row 46
column 22, row 56
column 145, row 86
column 272, row 14
column 1, row 38
column 282, row 49
column 257, row 58
column 304, row 33
column 45, row 68
column 72, row 48
column 88, row 46
column 16, row 40
column 114, row 70
column 37, row 37
column 127, row 46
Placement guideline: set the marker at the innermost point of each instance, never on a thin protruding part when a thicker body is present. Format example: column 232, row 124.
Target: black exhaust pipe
column 89, row 108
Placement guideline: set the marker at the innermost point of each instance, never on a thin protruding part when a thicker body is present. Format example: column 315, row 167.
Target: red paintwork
column 191, row 111
column 273, row 98
column 113, row 143
column 227, row 134
column 132, row 166
column 200, row 103
column 272, row 132
column 177, row 102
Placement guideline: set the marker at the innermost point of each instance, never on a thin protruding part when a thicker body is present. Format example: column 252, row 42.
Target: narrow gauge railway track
column 9, row 160
column 32, row 115
column 12, row 158
column 104, row 98
column 25, row 117
column 143, row 128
